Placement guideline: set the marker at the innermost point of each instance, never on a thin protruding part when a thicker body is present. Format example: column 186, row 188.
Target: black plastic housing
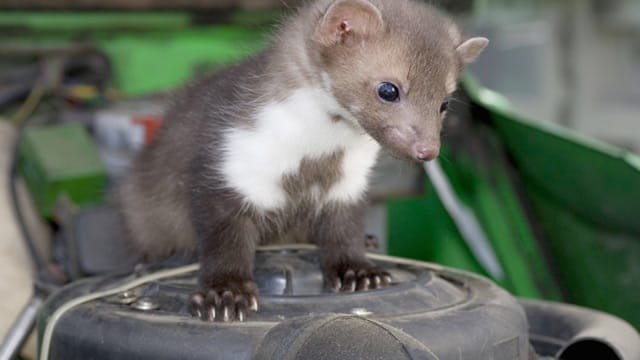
column 429, row 312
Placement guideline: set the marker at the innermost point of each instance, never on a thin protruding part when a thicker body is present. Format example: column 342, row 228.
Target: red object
column 151, row 125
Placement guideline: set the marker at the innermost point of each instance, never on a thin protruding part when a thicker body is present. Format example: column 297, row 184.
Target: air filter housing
column 429, row 312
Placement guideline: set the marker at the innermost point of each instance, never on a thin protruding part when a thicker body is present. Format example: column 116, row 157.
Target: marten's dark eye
column 444, row 106
column 388, row 92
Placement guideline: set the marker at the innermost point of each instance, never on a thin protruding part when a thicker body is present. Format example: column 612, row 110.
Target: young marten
column 285, row 142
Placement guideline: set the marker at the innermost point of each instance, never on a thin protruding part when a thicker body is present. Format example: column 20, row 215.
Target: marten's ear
column 470, row 49
column 348, row 22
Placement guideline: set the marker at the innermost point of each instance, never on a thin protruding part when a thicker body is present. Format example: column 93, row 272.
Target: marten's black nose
column 423, row 152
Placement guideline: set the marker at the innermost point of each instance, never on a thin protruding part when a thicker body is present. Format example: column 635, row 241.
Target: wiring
column 51, row 71
column 53, row 319
column 30, row 104
column 20, row 120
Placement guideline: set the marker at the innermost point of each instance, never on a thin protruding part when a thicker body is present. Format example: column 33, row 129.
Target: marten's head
column 392, row 65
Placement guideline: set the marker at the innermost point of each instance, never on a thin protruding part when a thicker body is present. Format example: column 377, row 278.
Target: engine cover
column 429, row 312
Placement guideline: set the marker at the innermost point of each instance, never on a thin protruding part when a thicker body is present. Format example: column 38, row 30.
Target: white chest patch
column 255, row 160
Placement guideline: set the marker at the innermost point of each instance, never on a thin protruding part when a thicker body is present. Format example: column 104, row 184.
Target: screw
column 145, row 304
column 360, row 311
column 127, row 297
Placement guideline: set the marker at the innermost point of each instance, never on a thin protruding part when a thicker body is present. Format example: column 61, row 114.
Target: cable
column 465, row 220
column 50, row 76
column 30, row 104
column 21, row 328
column 20, row 120
column 53, row 319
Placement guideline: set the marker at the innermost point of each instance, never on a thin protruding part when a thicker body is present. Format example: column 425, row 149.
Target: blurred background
column 575, row 63
column 540, row 148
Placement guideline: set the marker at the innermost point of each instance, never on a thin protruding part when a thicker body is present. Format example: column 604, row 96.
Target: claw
column 364, row 284
column 228, row 302
column 359, row 278
column 349, row 281
column 337, row 285
column 253, row 305
column 376, row 282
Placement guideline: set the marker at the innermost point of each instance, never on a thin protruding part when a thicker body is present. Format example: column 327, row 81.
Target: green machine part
column 585, row 196
column 563, row 223
column 61, row 162
column 422, row 228
column 149, row 51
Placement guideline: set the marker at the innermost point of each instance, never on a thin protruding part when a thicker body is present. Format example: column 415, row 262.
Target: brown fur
column 175, row 198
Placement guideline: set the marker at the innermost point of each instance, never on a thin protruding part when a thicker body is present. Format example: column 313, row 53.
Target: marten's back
column 153, row 197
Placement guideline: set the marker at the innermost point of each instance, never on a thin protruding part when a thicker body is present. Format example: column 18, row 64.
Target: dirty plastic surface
column 428, row 313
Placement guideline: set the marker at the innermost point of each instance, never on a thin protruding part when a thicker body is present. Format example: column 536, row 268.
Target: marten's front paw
column 357, row 277
column 228, row 302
